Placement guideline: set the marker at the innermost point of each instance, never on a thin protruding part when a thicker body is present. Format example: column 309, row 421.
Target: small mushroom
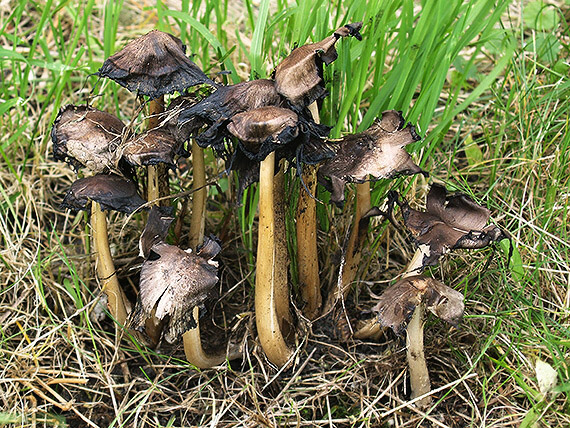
column 153, row 65
column 377, row 152
column 175, row 281
column 299, row 77
column 449, row 222
column 104, row 192
column 398, row 302
column 83, row 136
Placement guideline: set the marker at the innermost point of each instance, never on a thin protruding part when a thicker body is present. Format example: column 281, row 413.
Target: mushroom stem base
column 105, row 266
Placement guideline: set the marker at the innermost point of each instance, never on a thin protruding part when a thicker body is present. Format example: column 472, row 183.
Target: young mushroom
column 105, row 192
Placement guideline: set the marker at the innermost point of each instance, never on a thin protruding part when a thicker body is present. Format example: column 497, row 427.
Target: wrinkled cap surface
column 225, row 103
column 111, row 191
column 398, row 302
column 377, row 152
column 153, row 65
column 156, row 229
column 299, row 77
column 83, row 136
column 449, row 222
column 151, row 148
column 174, row 281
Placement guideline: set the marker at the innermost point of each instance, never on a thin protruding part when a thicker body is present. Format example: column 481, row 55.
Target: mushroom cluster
column 262, row 129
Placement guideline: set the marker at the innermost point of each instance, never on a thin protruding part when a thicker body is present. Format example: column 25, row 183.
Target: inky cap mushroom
column 225, row 103
column 262, row 130
column 377, row 152
column 397, row 303
column 83, row 136
column 112, row 192
column 153, row 65
column 299, row 77
column 151, row 148
column 449, row 222
column 270, row 129
column 175, row 281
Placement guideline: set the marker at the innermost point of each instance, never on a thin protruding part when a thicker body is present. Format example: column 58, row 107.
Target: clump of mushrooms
column 449, row 223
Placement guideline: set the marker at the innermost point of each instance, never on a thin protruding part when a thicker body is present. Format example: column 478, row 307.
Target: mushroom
column 450, row 222
column 222, row 105
column 151, row 148
column 105, row 192
column 397, row 303
column 175, row 281
column 83, row 136
column 153, row 65
column 299, row 77
column 396, row 307
column 377, row 152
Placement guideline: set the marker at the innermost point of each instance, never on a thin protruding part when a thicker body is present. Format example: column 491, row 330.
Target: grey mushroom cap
column 398, row 302
column 173, row 281
column 111, row 191
column 154, row 64
column 450, row 222
column 375, row 153
column 156, row 228
column 83, row 136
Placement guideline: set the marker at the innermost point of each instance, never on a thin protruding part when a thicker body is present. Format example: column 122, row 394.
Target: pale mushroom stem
column 197, row 219
column 105, row 266
column 353, row 250
column 419, row 374
column 270, row 279
column 193, row 350
column 156, row 174
column 306, row 228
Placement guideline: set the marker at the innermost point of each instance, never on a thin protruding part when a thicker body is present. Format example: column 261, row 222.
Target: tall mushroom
column 104, row 192
column 266, row 135
column 299, row 79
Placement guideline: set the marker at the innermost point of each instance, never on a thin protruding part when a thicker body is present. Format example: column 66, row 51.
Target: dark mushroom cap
column 83, row 136
column 174, row 281
column 153, row 65
column 377, row 152
column 152, row 147
column 263, row 129
column 226, row 102
column 111, row 191
column 275, row 129
column 449, row 222
column 397, row 303
column 299, row 77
